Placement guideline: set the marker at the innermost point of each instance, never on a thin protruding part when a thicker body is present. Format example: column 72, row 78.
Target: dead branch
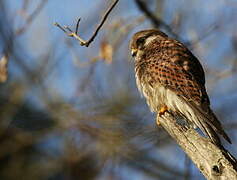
column 71, row 33
column 214, row 162
column 155, row 20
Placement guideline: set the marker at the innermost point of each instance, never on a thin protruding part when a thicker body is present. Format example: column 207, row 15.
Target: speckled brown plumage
column 169, row 75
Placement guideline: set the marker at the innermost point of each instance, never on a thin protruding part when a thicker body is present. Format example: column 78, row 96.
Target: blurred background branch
column 69, row 112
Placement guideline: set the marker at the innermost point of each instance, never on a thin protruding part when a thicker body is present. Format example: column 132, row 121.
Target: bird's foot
column 158, row 121
column 161, row 113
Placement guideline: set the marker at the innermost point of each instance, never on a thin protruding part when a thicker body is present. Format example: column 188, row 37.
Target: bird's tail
column 209, row 124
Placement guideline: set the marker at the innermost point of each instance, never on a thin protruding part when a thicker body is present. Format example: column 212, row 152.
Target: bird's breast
column 153, row 91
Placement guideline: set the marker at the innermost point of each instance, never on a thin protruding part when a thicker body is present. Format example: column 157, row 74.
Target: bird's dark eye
column 141, row 40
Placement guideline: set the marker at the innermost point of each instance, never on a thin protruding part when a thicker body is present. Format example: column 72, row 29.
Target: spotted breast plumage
column 171, row 78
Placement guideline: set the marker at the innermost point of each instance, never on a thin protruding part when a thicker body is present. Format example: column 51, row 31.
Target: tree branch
column 155, row 20
column 71, row 33
column 31, row 17
column 214, row 162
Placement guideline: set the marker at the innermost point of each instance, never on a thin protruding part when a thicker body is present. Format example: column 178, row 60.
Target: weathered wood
column 214, row 162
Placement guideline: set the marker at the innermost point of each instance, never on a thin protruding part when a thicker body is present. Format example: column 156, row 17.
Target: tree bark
column 214, row 162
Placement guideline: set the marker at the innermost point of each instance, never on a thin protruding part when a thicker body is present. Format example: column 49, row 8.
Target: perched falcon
column 172, row 79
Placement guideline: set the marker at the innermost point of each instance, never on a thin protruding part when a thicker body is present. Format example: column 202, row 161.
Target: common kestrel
column 172, row 79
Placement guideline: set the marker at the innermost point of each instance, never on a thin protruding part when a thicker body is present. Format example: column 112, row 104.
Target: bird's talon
column 162, row 111
column 158, row 121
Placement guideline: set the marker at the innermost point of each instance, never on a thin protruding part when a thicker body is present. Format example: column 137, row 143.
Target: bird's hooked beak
column 134, row 52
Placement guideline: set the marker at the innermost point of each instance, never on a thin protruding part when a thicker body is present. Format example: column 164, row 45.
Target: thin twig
column 155, row 20
column 77, row 26
column 70, row 33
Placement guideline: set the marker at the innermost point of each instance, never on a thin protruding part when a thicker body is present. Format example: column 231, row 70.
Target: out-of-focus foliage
column 70, row 112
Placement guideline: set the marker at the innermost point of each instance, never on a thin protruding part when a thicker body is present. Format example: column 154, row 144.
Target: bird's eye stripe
column 141, row 40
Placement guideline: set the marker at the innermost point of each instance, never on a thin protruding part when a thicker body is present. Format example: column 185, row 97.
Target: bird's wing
column 174, row 77
column 178, row 69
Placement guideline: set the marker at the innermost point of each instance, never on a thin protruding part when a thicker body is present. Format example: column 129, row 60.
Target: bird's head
column 142, row 38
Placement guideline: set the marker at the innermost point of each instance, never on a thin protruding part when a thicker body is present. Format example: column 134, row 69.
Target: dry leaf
column 3, row 69
column 106, row 52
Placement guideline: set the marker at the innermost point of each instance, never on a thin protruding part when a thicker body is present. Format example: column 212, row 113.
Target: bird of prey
column 172, row 79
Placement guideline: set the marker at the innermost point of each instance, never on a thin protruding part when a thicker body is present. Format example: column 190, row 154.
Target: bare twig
column 77, row 26
column 155, row 20
column 71, row 33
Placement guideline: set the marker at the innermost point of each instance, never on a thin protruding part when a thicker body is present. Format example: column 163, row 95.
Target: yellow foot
column 160, row 113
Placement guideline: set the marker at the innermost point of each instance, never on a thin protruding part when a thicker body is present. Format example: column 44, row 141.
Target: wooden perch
column 71, row 33
column 214, row 162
